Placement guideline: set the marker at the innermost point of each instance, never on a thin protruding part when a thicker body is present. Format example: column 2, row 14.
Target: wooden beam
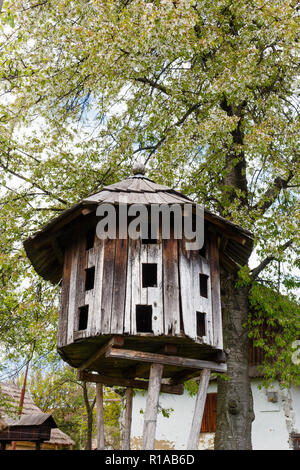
column 115, row 341
column 150, row 417
column 184, row 375
column 178, row 361
column 199, row 409
column 123, row 382
column 128, row 419
column 141, row 369
column 99, row 417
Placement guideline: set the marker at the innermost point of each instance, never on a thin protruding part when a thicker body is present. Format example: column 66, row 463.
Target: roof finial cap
column 139, row 168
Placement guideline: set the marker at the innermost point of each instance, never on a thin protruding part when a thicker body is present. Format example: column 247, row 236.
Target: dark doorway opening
column 83, row 317
column 203, row 285
column 202, row 251
column 200, row 318
column 89, row 278
column 149, row 275
column 90, row 238
column 144, row 319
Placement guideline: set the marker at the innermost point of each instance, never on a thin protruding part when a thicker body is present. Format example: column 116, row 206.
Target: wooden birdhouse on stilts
column 141, row 307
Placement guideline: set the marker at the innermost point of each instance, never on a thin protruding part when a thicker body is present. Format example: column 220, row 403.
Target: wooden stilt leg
column 199, row 409
column 128, row 419
column 151, row 406
column 100, row 421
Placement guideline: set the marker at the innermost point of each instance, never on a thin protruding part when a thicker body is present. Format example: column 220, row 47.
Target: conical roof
column 138, row 190
column 45, row 247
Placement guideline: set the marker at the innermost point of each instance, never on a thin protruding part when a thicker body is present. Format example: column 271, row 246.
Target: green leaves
column 204, row 92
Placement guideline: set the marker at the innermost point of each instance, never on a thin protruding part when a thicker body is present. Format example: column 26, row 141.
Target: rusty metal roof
column 43, row 247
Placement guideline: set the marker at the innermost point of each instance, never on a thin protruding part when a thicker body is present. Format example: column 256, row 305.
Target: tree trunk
column 235, row 405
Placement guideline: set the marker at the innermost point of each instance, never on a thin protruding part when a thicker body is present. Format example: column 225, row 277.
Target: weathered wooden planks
column 107, row 285
column 186, row 291
column 128, row 419
column 154, row 294
column 150, row 416
column 191, row 266
column 171, row 301
column 115, row 341
column 178, row 361
column 94, row 297
column 215, row 292
column 64, row 302
column 80, row 279
column 72, row 292
column 174, row 389
column 198, row 411
column 119, row 291
column 99, row 417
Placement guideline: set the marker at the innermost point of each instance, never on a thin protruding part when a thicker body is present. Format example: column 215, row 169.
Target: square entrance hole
column 149, row 275
column 143, row 318
column 90, row 238
column 89, row 278
column 202, row 251
column 83, row 317
column 200, row 319
column 203, row 285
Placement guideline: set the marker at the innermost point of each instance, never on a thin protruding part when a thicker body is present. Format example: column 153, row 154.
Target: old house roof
column 45, row 247
column 31, row 414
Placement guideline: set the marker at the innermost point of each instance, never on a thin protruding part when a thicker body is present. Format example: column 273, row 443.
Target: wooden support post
column 199, row 409
column 99, row 417
column 151, row 406
column 37, row 445
column 128, row 419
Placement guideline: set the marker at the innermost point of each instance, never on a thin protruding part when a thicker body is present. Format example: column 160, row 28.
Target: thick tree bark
column 235, row 405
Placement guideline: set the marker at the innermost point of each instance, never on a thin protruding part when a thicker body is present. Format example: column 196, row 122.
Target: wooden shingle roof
column 45, row 247
column 31, row 414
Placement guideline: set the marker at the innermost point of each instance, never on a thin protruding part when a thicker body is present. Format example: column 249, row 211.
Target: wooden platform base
column 115, row 353
column 127, row 357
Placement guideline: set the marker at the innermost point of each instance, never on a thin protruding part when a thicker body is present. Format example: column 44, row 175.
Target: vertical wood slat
column 143, row 259
column 72, row 291
column 90, row 295
column 99, row 417
column 186, row 291
column 198, row 411
column 215, row 291
column 80, row 279
column 94, row 297
column 64, row 300
column 150, row 416
column 154, row 294
column 135, row 281
column 128, row 296
column 171, row 301
column 202, row 304
column 107, row 285
column 119, row 291
column 128, row 419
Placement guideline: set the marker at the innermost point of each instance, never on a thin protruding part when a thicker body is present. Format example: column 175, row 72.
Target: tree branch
column 153, row 84
column 273, row 191
column 256, row 271
column 33, row 184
